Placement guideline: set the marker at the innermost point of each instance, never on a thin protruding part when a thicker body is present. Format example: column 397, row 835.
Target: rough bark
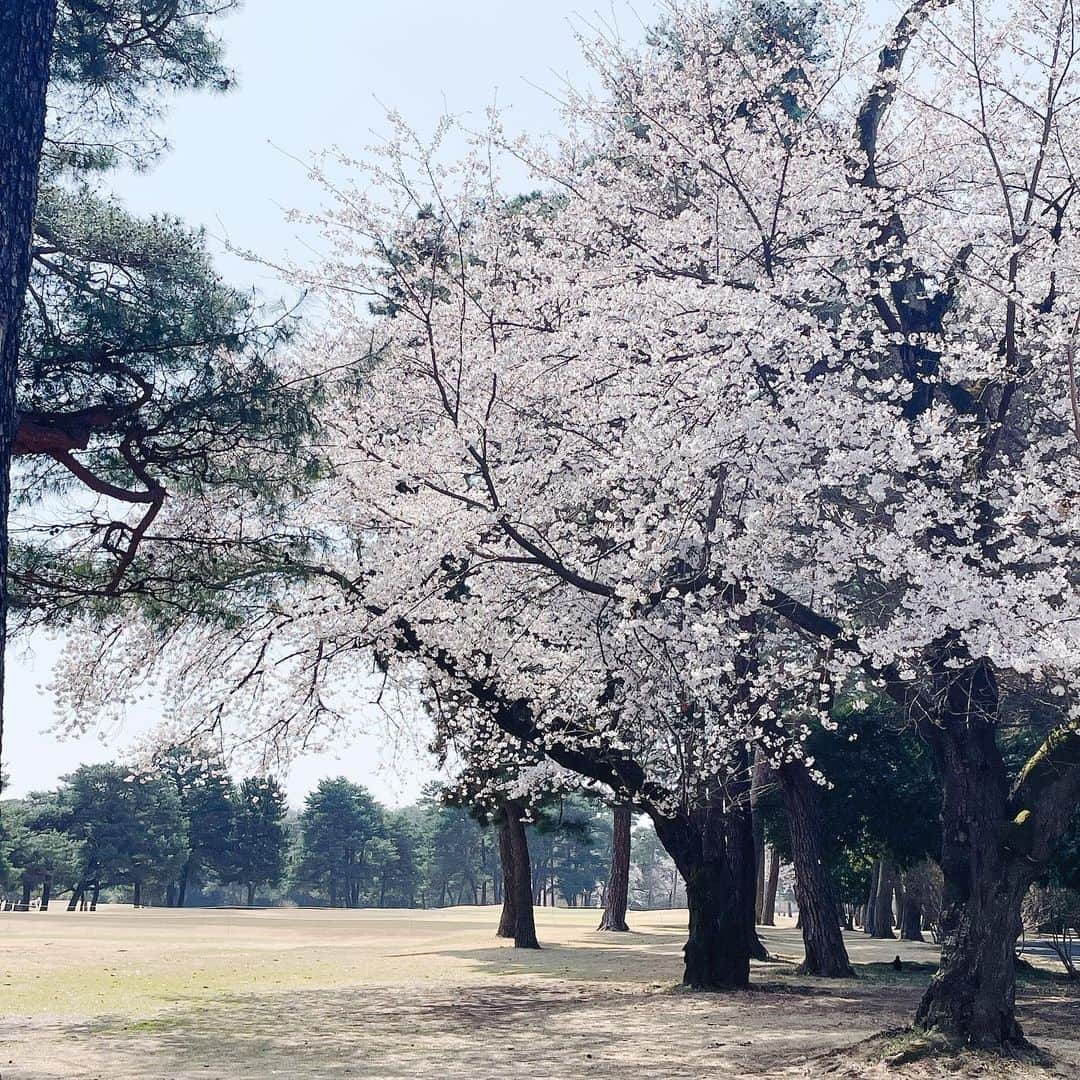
column 524, row 923
column 972, row 998
column 26, row 33
column 617, row 894
column 46, row 892
column 508, row 917
column 717, row 948
column 819, row 918
column 27, row 887
column 772, row 880
column 883, row 900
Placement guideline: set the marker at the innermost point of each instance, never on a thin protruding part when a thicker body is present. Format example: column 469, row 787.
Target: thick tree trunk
column 768, row 904
column 871, row 900
column 717, row 948
column 137, row 899
column 819, row 918
column 972, row 998
column 524, row 923
column 94, row 894
column 27, row 888
column 251, row 894
column 46, row 892
column 508, row 917
column 76, row 895
column 883, row 900
column 617, row 893
column 911, row 910
column 26, row 33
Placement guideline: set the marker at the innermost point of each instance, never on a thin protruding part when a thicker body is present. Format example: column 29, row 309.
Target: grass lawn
column 306, row 993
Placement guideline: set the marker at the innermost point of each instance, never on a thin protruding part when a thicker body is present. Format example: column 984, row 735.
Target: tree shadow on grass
column 569, row 1026
column 419, row 1031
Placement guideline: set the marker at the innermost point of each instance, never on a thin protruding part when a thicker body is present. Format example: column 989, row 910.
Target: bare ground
column 164, row 995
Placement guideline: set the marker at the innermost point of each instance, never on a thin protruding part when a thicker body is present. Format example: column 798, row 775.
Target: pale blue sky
column 312, row 75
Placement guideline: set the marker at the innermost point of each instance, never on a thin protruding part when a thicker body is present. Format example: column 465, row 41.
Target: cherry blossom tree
column 768, row 390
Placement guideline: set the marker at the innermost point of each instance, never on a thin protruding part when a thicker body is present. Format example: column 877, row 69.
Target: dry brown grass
column 154, row 994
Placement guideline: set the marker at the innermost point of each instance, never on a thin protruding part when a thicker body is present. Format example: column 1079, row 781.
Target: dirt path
column 312, row 994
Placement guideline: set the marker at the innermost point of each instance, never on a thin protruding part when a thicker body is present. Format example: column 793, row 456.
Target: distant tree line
column 185, row 833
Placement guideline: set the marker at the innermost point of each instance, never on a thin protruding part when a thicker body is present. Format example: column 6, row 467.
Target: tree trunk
column 760, row 867
column 739, row 826
column 717, row 948
column 26, row 34
column 137, row 899
column 508, row 917
column 94, row 894
column 76, row 895
column 768, row 905
column 185, row 875
column 618, row 886
column 27, row 887
column 819, row 919
column 883, row 900
column 972, row 998
column 871, row 900
column 251, row 894
column 911, row 910
column 46, row 892
column 524, row 924
column 760, row 777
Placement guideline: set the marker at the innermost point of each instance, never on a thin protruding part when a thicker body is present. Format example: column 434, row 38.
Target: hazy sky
column 312, row 75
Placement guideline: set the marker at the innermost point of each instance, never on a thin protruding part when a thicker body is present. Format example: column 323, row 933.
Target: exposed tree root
column 907, row 1052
